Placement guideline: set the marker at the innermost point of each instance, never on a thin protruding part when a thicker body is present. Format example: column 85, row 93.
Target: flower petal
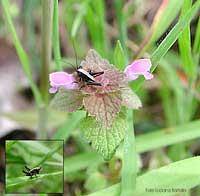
column 148, row 76
column 139, row 67
column 53, row 90
column 61, row 79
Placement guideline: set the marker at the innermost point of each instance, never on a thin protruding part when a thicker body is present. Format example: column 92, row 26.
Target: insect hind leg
column 95, row 74
column 25, row 172
column 27, row 168
column 93, row 83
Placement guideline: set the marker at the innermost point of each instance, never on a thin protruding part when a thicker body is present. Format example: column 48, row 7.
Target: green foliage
column 176, row 175
column 185, row 44
column 97, row 25
column 81, row 161
column 104, row 140
column 95, row 181
column 169, row 40
column 173, row 35
column 119, row 56
column 29, row 118
column 20, row 51
column 168, row 136
column 56, row 42
column 46, row 154
column 95, row 18
column 168, row 15
column 129, row 167
column 122, row 24
column 196, row 47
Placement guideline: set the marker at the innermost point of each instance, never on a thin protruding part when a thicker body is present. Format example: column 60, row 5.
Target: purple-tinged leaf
column 95, row 62
column 130, row 99
column 103, row 106
column 67, row 100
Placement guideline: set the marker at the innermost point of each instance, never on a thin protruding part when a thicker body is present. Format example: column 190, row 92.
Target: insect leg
column 95, row 74
column 25, row 172
column 93, row 83
column 27, row 168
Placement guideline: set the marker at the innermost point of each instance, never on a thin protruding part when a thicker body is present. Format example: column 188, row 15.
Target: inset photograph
column 34, row 166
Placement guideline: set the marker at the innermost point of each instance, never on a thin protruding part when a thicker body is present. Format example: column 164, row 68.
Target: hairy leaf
column 67, row 100
column 95, row 62
column 105, row 141
column 103, row 106
column 130, row 99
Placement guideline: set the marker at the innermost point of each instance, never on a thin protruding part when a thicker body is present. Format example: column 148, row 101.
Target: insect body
column 88, row 77
column 32, row 172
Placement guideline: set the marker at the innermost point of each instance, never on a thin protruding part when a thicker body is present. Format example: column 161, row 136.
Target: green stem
column 47, row 12
column 42, row 122
column 129, row 163
column 56, row 43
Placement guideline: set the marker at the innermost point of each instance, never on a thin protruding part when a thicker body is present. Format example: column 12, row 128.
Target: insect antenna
column 69, row 63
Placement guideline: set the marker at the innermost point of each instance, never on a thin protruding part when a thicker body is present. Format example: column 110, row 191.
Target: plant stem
column 42, row 122
column 129, row 163
column 47, row 13
column 56, row 43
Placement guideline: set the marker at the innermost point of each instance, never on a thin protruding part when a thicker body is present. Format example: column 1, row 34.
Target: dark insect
column 32, row 172
column 88, row 77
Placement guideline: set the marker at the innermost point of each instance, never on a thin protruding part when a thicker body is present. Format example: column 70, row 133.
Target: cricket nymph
column 88, row 76
column 32, row 172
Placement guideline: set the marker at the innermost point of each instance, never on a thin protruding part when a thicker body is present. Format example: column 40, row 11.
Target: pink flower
column 102, row 101
column 61, row 79
column 137, row 68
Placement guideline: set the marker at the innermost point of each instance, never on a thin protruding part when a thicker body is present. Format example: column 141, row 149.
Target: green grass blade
column 77, row 23
column 92, row 27
column 95, row 18
column 119, row 56
column 38, row 146
column 20, row 51
column 196, row 47
column 12, row 182
column 64, row 131
column 166, row 18
column 176, row 175
column 121, row 21
column 49, row 155
column 81, row 161
column 100, row 12
column 129, row 170
column 168, row 136
column 185, row 44
column 169, row 40
column 173, row 35
column 56, row 43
